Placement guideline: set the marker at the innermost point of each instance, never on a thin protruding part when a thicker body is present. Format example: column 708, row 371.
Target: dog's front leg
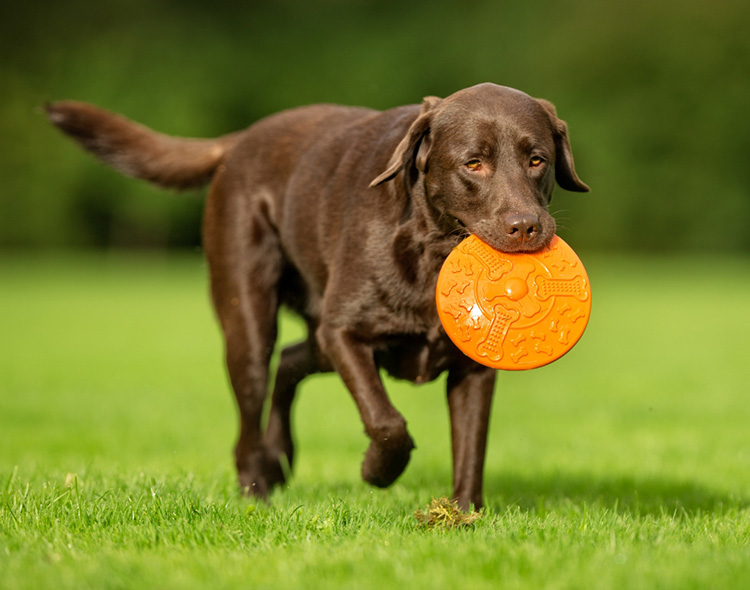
column 469, row 400
column 391, row 444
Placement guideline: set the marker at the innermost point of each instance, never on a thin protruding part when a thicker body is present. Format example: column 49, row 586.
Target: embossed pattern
column 513, row 311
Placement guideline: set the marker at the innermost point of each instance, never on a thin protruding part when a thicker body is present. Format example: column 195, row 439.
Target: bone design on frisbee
column 513, row 311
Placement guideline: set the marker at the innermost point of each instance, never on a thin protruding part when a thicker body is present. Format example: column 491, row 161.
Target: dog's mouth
column 522, row 249
column 459, row 227
column 508, row 244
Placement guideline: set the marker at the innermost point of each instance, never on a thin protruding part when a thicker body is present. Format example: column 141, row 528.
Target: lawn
column 624, row 465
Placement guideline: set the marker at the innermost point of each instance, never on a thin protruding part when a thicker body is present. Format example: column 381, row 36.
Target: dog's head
column 488, row 157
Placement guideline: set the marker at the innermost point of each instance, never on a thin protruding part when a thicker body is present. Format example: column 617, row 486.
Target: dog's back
column 176, row 162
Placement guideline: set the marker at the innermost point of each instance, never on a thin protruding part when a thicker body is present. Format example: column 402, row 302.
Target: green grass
column 624, row 465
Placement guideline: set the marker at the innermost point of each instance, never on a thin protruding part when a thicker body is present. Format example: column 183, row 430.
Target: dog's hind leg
column 245, row 262
column 297, row 362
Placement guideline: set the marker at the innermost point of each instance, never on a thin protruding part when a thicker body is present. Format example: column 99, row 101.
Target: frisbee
column 513, row 311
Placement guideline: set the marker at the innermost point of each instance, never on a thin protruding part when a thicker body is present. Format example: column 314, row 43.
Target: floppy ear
column 565, row 172
column 415, row 145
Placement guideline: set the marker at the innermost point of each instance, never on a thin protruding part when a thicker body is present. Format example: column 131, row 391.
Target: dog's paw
column 258, row 473
column 383, row 465
column 278, row 468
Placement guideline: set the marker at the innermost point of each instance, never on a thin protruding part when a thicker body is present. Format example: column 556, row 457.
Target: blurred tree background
column 655, row 93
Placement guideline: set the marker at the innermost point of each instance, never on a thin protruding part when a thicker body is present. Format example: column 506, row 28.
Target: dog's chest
column 417, row 358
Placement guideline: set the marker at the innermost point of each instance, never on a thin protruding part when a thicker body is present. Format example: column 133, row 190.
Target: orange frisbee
column 513, row 311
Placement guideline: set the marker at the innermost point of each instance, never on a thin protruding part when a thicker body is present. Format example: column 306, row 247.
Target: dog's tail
column 136, row 150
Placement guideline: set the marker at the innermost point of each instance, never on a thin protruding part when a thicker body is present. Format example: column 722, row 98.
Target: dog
column 345, row 215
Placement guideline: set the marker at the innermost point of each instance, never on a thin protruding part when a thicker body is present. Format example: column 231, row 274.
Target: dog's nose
column 522, row 227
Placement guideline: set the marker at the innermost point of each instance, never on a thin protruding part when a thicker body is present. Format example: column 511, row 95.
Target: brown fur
column 346, row 215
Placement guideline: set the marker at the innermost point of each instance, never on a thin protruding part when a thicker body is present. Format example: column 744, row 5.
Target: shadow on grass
column 647, row 496
column 539, row 494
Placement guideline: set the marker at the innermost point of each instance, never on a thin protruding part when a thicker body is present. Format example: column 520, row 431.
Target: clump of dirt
column 445, row 514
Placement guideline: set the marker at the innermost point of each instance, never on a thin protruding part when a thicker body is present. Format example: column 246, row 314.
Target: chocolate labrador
column 345, row 215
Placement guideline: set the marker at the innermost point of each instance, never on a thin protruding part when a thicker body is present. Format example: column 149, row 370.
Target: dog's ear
column 415, row 145
column 565, row 172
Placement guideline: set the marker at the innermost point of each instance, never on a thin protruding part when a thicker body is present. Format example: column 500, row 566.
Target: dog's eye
column 536, row 161
column 473, row 165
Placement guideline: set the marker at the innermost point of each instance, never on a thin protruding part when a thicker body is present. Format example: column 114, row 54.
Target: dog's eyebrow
column 485, row 149
column 526, row 143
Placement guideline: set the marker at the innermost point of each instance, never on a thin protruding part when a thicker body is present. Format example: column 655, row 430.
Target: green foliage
column 626, row 464
column 655, row 94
